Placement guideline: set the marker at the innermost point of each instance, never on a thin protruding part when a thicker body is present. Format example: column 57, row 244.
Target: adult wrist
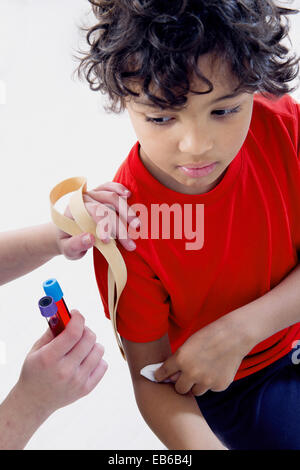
column 32, row 408
column 54, row 248
column 28, row 407
column 19, row 419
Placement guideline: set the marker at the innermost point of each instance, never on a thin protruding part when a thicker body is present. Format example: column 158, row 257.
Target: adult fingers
column 45, row 339
column 68, row 213
column 113, row 186
column 75, row 247
column 113, row 227
column 81, row 349
column 92, row 360
column 110, row 225
column 96, row 375
column 114, row 201
column 67, row 339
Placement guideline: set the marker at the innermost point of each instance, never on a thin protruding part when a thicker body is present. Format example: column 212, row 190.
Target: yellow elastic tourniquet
column 83, row 222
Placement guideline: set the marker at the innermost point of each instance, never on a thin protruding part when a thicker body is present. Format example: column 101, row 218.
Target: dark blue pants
column 261, row 411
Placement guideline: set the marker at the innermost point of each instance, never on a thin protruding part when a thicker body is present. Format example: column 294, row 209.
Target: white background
column 53, row 127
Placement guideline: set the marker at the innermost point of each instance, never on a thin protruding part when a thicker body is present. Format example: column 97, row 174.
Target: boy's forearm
column 274, row 311
column 22, row 251
column 175, row 419
column 18, row 421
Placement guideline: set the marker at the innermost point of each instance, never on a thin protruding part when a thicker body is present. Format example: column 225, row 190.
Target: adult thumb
column 75, row 247
column 47, row 337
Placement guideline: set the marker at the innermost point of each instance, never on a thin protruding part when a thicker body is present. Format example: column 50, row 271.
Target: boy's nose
column 195, row 143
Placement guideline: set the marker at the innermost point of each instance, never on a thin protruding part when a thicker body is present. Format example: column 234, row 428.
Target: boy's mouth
column 195, row 172
column 196, row 167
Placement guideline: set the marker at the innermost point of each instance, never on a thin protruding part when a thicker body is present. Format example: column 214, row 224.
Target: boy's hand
column 102, row 203
column 209, row 359
column 57, row 371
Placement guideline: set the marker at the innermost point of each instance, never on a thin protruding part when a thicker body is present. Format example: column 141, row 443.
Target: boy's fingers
column 166, row 370
column 175, row 377
column 183, row 385
column 70, row 336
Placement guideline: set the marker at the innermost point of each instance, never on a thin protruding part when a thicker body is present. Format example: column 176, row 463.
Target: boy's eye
column 225, row 112
column 162, row 121
column 159, row 121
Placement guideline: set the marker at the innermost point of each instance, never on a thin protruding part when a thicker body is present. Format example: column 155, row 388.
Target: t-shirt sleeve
column 143, row 308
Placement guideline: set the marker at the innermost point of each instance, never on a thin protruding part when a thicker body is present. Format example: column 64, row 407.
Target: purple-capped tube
column 48, row 309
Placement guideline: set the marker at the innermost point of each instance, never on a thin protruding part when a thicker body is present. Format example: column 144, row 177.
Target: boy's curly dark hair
column 158, row 42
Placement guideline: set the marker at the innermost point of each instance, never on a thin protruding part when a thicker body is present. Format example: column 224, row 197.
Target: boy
column 208, row 98
column 57, row 371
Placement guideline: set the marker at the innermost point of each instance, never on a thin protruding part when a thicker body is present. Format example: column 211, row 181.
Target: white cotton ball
column 149, row 370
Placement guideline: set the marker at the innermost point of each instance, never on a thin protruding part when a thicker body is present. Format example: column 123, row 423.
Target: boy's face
column 207, row 131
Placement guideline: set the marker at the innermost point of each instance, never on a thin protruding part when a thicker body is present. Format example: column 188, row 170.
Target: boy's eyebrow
column 225, row 97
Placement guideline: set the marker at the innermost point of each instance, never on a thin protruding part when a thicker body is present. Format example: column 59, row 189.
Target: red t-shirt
column 251, row 241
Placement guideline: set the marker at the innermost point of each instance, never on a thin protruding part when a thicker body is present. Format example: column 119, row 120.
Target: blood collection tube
column 53, row 289
column 49, row 310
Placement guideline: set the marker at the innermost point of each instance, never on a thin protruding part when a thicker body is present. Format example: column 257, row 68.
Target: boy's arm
column 215, row 352
column 175, row 419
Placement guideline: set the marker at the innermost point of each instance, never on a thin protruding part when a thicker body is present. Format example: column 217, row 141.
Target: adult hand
column 57, row 371
column 106, row 203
